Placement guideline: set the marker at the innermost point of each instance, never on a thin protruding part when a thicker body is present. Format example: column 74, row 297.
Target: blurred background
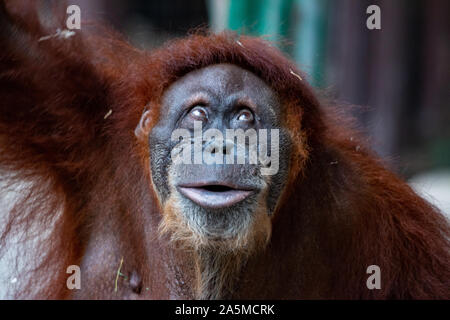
column 398, row 76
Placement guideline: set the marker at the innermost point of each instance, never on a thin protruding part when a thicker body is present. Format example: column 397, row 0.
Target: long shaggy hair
column 68, row 110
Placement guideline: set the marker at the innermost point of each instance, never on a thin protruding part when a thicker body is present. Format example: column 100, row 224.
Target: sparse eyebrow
column 197, row 98
column 247, row 101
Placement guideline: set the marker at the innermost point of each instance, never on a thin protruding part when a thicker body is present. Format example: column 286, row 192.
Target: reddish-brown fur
column 342, row 211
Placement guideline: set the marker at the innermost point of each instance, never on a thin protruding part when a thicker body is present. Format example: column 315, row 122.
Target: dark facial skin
column 218, row 200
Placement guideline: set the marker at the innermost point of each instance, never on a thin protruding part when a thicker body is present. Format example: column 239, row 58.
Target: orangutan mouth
column 215, row 195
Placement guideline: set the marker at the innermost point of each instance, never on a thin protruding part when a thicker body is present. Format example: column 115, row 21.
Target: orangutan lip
column 214, row 196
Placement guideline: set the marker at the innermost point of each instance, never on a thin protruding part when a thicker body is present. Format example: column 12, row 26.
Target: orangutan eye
column 198, row 114
column 245, row 115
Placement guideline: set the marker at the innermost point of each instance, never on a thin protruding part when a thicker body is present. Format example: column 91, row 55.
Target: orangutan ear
column 143, row 128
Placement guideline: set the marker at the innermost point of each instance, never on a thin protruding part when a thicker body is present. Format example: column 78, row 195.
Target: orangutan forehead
column 222, row 81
